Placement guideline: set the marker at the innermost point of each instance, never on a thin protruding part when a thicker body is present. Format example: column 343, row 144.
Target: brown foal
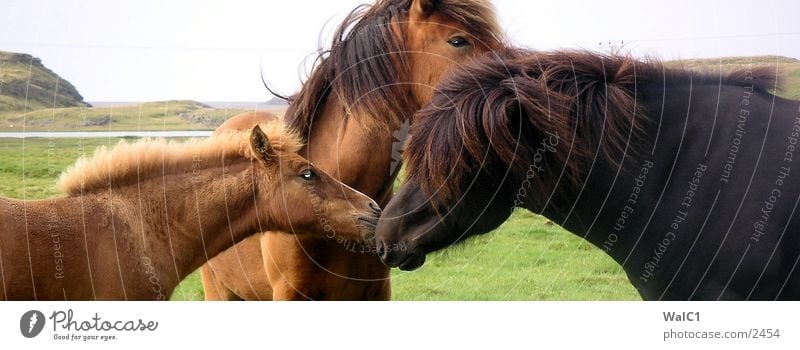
column 140, row 217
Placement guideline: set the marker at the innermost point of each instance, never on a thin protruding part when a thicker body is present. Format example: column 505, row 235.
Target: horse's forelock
column 366, row 65
column 476, row 123
column 358, row 69
column 479, row 16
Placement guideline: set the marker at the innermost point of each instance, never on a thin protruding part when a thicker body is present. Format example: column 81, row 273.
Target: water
column 103, row 134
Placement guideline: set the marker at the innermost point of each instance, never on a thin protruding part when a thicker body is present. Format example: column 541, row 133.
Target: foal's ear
column 423, row 8
column 259, row 144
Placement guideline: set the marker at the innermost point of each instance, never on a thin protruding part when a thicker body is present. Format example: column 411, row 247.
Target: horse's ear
column 423, row 8
column 259, row 144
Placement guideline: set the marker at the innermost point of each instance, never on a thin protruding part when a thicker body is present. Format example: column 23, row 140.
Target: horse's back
column 10, row 245
column 246, row 120
column 39, row 251
column 750, row 249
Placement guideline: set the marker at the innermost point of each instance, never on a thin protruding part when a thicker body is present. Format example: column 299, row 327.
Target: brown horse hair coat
column 381, row 67
column 126, row 163
column 369, row 90
column 139, row 217
column 511, row 97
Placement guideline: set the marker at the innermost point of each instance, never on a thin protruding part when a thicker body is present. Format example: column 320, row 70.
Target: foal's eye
column 308, row 175
column 458, row 42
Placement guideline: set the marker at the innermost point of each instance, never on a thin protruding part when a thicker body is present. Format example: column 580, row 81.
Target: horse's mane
column 493, row 113
column 365, row 62
column 128, row 163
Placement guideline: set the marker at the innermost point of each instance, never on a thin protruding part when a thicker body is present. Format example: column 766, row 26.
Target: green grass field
column 29, row 168
column 788, row 68
column 524, row 260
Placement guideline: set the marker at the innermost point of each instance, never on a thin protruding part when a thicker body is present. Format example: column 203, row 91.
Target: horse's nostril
column 381, row 249
column 374, row 206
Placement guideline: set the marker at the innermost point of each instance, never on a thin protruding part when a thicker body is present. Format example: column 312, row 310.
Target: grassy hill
column 788, row 68
column 23, row 75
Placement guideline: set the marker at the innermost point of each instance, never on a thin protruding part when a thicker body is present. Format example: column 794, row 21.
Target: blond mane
column 128, row 163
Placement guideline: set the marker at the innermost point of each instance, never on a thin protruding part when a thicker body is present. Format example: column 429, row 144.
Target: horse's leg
column 213, row 289
column 286, row 265
column 284, row 291
column 237, row 273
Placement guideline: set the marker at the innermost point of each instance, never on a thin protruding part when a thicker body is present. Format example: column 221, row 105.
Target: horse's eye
column 458, row 41
column 308, row 175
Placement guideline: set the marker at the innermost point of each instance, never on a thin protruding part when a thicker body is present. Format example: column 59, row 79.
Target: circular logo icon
column 31, row 323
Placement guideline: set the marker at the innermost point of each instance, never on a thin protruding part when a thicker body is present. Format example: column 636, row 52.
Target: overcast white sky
column 148, row 50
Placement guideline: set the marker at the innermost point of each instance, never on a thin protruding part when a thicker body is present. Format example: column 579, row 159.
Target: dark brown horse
column 378, row 71
column 686, row 179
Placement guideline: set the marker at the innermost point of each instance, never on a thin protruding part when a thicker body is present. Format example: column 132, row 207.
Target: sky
column 152, row 50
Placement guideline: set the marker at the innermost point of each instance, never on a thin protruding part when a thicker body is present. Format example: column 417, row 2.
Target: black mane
column 492, row 114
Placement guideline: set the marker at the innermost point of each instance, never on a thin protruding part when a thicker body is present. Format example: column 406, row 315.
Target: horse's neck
column 605, row 206
column 191, row 217
column 349, row 151
column 576, row 208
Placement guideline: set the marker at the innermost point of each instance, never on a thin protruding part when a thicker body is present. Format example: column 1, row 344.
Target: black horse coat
column 690, row 181
column 705, row 204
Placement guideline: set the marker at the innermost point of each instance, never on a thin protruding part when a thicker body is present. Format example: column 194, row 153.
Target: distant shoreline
column 103, row 134
column 172, row 115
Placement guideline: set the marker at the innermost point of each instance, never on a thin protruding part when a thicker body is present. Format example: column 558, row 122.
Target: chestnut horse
column 139, row 217
column 683, row 178
column 380, row 68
